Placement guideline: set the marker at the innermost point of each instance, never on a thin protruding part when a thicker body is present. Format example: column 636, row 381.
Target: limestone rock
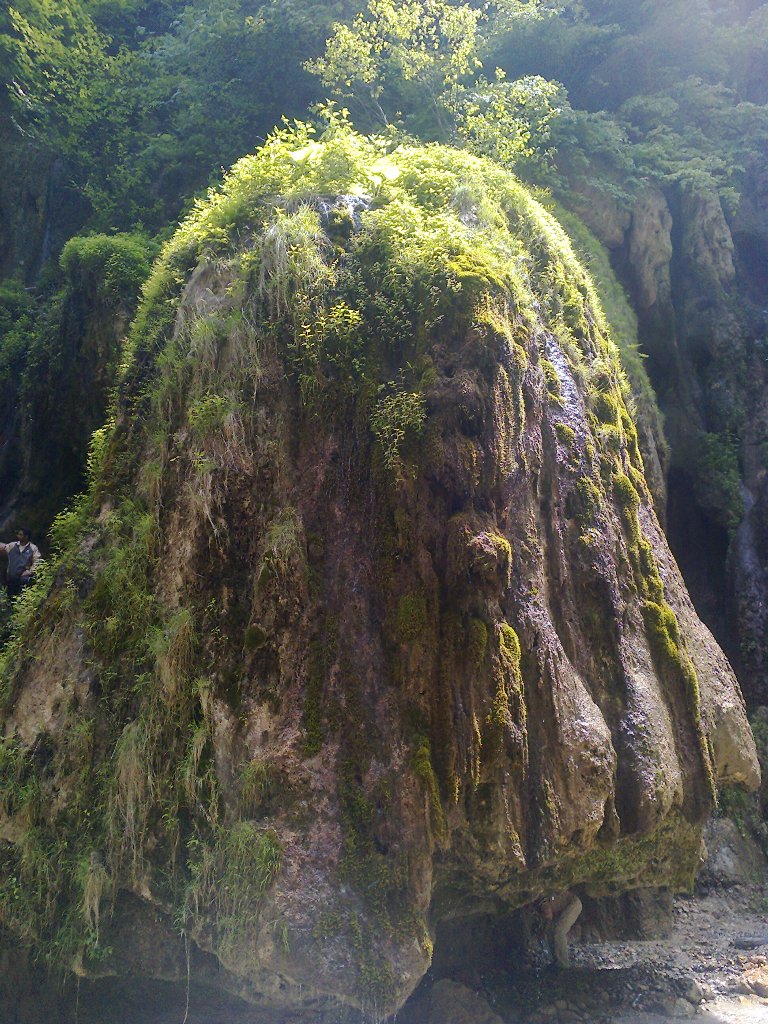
column 732, row 859
column 707, row 245
column 603, row 214
column 381, row 625
column 650, row 250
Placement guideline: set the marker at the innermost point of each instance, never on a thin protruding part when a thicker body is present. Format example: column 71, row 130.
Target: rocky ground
column 713, row 966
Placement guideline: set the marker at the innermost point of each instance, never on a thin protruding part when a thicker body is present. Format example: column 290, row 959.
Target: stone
column 756, row 978
column 451, row 1003
column 693, row 991
column 751, row 941
column 732, row 858
column 650, row 249
column 677, row 1008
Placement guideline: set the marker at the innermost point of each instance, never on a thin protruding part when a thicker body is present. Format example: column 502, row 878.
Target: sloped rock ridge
column 366, row 621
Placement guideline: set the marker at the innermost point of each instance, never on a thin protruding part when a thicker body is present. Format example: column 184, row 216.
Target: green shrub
column 118, row 264
column 208, row 414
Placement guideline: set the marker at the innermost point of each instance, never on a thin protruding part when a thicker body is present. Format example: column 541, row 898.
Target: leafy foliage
column 58, row 355
column 424, row 56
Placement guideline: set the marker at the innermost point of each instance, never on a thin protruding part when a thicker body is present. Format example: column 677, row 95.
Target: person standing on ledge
column 23, row 557
column 561, row 913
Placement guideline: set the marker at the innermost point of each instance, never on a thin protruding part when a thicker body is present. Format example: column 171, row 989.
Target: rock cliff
column 367, row 621
column 694, row 266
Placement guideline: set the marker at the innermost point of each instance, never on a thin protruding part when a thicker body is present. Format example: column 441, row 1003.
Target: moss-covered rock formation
column 367, row 619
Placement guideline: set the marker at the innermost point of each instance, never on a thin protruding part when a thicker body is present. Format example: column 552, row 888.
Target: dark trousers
column 13, row 587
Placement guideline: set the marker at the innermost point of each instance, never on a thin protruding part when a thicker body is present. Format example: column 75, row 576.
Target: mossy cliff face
column 694, row 264
column 367, row 619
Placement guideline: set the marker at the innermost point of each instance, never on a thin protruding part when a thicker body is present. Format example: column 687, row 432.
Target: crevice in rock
column 700, row 547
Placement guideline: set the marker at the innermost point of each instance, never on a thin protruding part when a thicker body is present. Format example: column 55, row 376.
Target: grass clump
column 257, row 783
column 208, row 414
column 118, row 264
column 396, row 416
column 229, row 875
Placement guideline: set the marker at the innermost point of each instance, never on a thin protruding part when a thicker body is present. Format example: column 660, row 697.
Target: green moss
column 551, row 381
column 255, row 637
column 584, row 503
column 411, row 618
column 626, row 496
column 628, row 501
column 340, row 226
column 379, row 879
column 746, row 810
column 495, row 314
column 566, row 435
column 611, row 438
column 421, row 762
column 376, row 981
column 670, row 853
column 321, row 656
column 508, row 709
column 718, row 478
column 607, row 407
column 503, row 548
column 509, row 647
column 647, row 571
column 663, row 633
column 670, row 654
column 474, row 276
column 477, row 641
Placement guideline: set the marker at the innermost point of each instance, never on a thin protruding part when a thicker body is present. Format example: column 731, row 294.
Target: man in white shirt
column 23, row 557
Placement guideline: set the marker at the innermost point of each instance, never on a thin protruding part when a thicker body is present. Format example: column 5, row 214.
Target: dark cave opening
column 700, row 547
